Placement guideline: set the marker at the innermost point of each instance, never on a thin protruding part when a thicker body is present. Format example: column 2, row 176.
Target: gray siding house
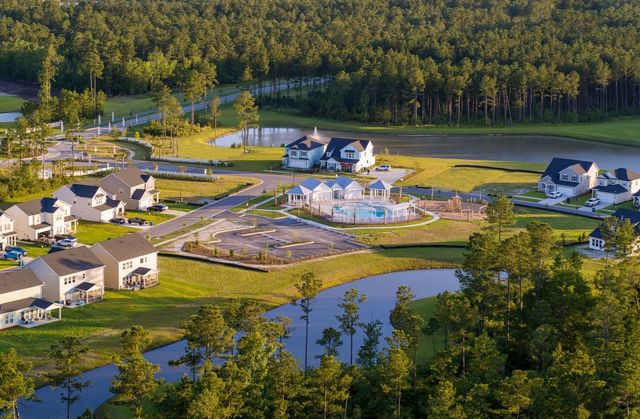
column 569, row 177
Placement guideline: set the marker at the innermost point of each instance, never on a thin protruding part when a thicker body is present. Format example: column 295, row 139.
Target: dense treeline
column 528, row 335
column 399, row 61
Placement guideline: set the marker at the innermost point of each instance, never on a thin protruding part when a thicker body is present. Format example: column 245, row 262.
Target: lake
column 529, row 148
column 9, row 116
column 380, row 291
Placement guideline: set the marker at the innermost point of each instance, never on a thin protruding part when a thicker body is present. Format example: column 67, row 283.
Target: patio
column 141, row 278
column 84, row 293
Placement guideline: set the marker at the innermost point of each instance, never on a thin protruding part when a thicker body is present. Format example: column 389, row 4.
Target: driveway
column 552, row 201
column 391, row 176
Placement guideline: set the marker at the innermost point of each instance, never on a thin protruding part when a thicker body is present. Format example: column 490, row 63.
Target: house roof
column 131, row 176
column 83, row 190
column 380, row 185
column 39, row 206
column 558, row 164
column 127, row 247
column 138, row 194
column 17, row 279
column 308, row 142
column 109, row 204
column 26, row 303
column 313, row 184
column 298, row 190
column 337, row 144
column 622, row 173
column 614, row 189
column 141, row 271
column 70, row 261
column 86, row 286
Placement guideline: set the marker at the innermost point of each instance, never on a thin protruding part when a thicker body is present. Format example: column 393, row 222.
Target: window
column 293, row 153
column 565, row 177
column 349, row 154
column 8, row 318
column 574, row 178
column 303, row 154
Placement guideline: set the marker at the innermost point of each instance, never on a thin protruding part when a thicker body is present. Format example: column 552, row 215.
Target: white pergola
column 379, row 189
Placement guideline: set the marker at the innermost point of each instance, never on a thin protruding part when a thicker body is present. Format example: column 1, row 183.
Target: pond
column 530, row 148
column 380, row 291
column 9, row 116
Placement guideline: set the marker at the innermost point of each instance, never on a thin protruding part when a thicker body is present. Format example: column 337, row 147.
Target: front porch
column 140, row 278
column 84, row 293
column 70, row 224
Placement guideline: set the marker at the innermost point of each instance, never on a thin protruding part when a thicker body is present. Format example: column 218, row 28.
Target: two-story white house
column 617, row 186
column 304, row 153
column 348, row 155
column 132, row 186
column 42, row 217
column 8, row 234
column 72, row 277
column 21, row 302
column 131, row 262
column 569, row 177
column 90, row 202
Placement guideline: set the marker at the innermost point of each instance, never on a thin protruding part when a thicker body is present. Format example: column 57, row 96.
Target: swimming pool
column 360, row 210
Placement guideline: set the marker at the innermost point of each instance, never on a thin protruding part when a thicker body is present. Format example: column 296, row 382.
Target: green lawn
column 185, row 285
column 194, row 191
column 186, row 207
column 535, row 194
column 268, row 214
column 91, row 233
column 152, row 217
column 253, row 201
column 426, row 308
column 10, row 103
column 571, row 225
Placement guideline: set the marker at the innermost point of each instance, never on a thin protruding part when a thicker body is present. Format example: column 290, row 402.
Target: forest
column 389, row 62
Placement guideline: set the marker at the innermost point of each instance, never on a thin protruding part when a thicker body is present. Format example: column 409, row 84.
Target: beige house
column 132, row 186
column 90, row 202
column 617, row 186
column 569, row 177
column 21, row 302
column 73, row 277
column 42, row 217
column 8, row 235
column 131, row 262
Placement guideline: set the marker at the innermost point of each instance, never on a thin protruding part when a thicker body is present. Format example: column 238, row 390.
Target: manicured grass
column 442, row 231
column 268, row 214
column 186, row 207
column 572, row 226
column 152, row 217
column 10, row 103
column 194, row 191
column 91, row 233
column 426, row 308
column 624, row 131
column 535, row 194
column 187, row 284
column 625, row 205
column 252, row 201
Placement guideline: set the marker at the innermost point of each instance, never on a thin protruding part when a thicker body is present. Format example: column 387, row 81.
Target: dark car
column 157, row 208
column 16, row 249
column 12, row 255
column 139, row 221
column 118, row 220
column 67, row 237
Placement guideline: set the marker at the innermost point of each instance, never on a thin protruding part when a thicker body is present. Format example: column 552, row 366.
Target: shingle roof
column 615, row 189
column 131, row 176
column 84, row 191
column 313, row 184
column 86, row 286
column 298, row 190
column 558, row 164
column 25, row 303
column 308, row 142
column 379, row 185
column 337, row 144
column 76, row 259
column 622, row 173
column 17, row 279
column 138, row 194
column 127, row 247
column 39, row 206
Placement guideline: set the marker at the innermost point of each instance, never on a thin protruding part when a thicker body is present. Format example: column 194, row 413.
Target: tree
column 285, row 384
column 247, row 113
column 404, row 318
column 516, row 393
column 619, row 236
column 329, row 387
column 66, row 354
column 308, row 288
column 443, row 404
column 350, row 316
column 194, row 88
column 331, row 340
column 135, row 380
column 368, row 352
column 215, row 112
column 500, row 214
column 208, row 338
column 394, row 368
column 14, row 385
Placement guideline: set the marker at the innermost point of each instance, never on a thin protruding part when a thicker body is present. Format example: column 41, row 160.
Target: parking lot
column 285, row 239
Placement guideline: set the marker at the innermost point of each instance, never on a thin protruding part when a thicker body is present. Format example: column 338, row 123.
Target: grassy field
column 10, row 103
column 624, row 131
column 193, row 191
column 152, row 217
column 185, row 285
column 426, row 308
column 91, row 233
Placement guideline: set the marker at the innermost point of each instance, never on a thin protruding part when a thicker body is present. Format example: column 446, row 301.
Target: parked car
column 554, row 194
column 16, row 249
column 45, row 241
column 383, row 168
column 65, row 244
column 55, row 248
column 69, row 237
column 118, row 220
column 592, row 202
column 157, row 208
column 139, row 221
column 12, row 255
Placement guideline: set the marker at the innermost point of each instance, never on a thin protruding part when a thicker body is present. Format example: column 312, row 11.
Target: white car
column 554, row 194
column 592, row 202
column 383, row 168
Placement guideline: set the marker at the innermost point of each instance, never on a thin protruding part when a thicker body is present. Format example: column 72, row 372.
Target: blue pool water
column 360, row 209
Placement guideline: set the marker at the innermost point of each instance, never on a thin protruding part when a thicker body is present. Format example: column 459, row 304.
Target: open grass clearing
column 185, row 191
column 187, row 284
column 91, row 233
column 10, row 103
column 153, row 217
